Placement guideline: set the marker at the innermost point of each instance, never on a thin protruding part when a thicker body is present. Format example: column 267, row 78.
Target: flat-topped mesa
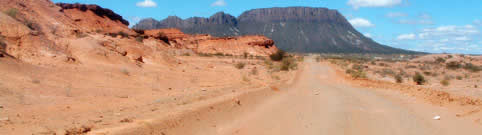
column 255, row 45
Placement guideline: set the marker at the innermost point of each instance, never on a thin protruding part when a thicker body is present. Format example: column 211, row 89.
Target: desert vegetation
column 444, row 71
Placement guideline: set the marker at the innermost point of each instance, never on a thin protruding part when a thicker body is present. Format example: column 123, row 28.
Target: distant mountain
column 295, row 29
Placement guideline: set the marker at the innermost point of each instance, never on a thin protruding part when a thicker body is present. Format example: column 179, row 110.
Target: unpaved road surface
column 319, row 104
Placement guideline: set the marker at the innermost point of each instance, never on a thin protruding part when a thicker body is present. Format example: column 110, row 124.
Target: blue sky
column 435, row 26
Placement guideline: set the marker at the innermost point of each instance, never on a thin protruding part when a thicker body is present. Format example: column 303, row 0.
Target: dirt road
column 319, row 104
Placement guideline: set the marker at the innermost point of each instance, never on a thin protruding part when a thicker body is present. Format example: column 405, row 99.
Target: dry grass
column 240, row 65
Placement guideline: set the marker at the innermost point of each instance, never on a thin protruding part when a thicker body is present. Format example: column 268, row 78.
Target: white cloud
column 146, row 3
column 360, row 22
column 410, row 36
column 396, row 14
column 463, row 38
column 219, row 3
column 446, row 38
column 369, row 35
column 450, row 30
column 373, row 3
column 477, row 22
column 424, row 19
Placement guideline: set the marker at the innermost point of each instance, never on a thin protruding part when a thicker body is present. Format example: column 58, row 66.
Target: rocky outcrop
column 296, row 29
column 206, row 44
column 99, row 11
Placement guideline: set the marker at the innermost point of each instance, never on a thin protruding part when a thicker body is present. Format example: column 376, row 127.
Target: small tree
column 398, row 79
column 419, row 79
column 278, row 56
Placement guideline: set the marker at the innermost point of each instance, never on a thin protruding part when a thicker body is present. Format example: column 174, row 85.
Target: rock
column 1, row 106
column 4, row 119
column 96, row 9
column 436, row 118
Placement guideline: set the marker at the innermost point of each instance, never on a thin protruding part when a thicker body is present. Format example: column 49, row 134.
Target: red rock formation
column 94, row 18
column 251, row 45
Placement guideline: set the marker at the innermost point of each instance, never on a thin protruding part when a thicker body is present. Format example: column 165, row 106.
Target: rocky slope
column 42, row 32
column 206, row 44
column 297, row 29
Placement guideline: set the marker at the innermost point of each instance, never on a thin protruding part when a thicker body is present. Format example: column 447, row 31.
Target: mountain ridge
column 295, row 29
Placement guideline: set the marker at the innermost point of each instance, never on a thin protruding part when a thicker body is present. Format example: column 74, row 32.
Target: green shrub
column 458, row 77
column 123, row 34
column 240, row 65
column 419, row 79
column 278, row 56
column 427, row 73
column 445, row 82
column 472, row 68
column 288, row 64
column 140, row 39
column 440, row 60
column 12, row 12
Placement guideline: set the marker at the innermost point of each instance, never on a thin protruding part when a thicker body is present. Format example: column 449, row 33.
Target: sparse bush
column 472, row 68
column 357, row 67
column 254, row 71
column 453, row 65
column 419, row 79
column 205, row 55
column 459, row 77
column 36, row 81
column 398, row 79
column 411, row 66
column 163, row 36
column 80, row 34
column 186, row 54
column 140, row 39
column 30, row 24
column 445, row 82
column 278, row 56
column 427, row 73
column 245, row 55
column 12, row 12
column 123, row 34
column 358, row 74
column 125, row 72
column 240, row 65
column 440, row 60
column 219, row 54
column 387, row 71
column 3, row 45
column 288, row 64
column 140, row 32
column 449, row 56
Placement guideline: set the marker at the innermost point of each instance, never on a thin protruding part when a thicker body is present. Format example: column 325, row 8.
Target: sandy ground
column 75, row 98
column 318, row 101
